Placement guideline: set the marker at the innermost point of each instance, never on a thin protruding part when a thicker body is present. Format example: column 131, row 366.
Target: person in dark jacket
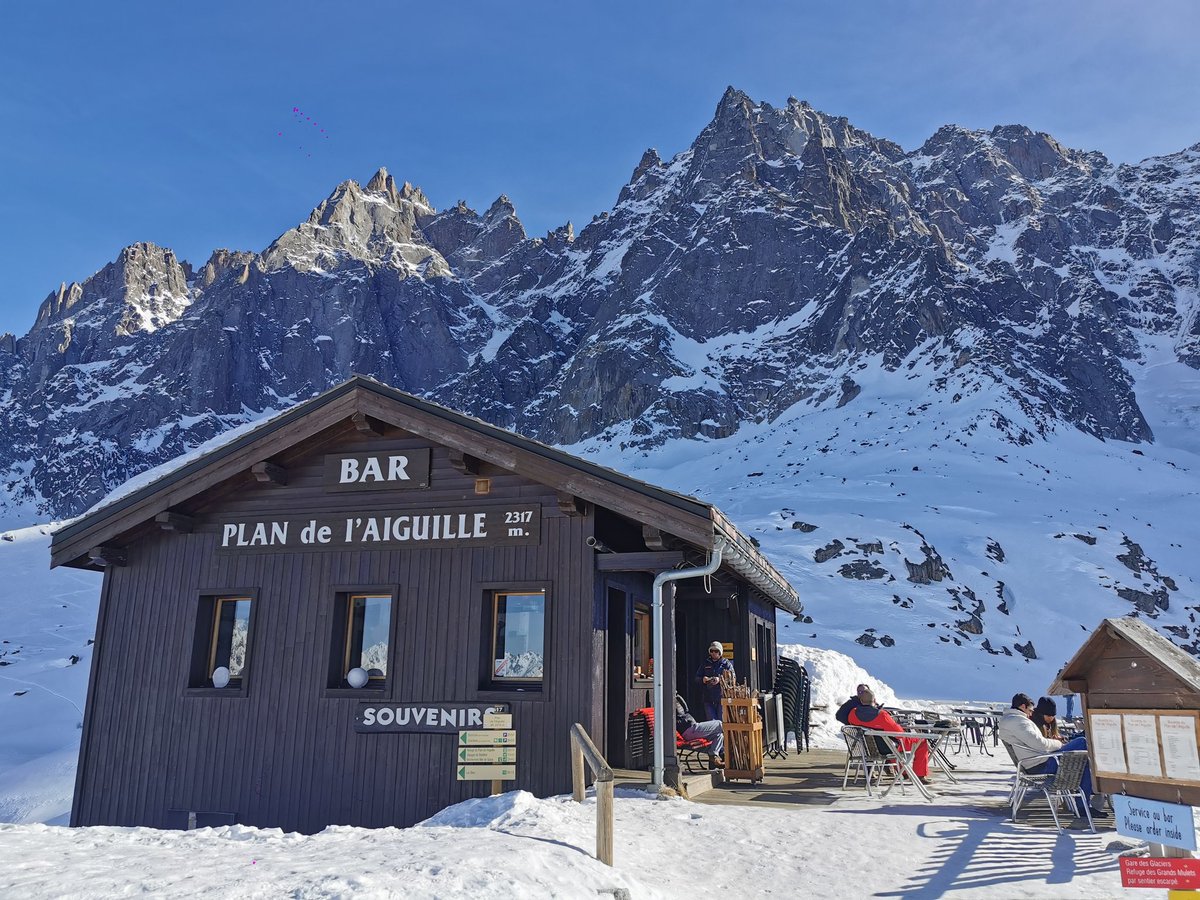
column 868, row 715
column 843, row 713
column 708, row 676
column 691, row 730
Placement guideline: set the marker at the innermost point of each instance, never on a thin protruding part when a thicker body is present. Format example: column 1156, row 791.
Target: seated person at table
column 868, row 715
column 1045, row 717
column 692, row 730
column 843, row 713
column 1018, row 730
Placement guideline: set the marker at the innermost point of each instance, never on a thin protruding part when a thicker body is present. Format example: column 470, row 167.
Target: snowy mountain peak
column 383, row 183
column 650, row 160
column 224, row 262
column 501, row 207
column 144, row 289
column 416, row 196
column 378, row 226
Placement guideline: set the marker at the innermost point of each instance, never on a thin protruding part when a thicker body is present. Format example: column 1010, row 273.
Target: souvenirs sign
column 423, row 718
column 396, row 529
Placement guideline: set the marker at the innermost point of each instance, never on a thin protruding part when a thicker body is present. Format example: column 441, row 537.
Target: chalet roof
column 1135, row 632
column 688, row 518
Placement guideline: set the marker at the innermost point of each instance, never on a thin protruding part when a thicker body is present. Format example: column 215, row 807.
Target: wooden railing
column 583, row 749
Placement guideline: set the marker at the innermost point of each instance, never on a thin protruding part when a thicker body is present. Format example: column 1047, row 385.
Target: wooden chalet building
column 447, row 567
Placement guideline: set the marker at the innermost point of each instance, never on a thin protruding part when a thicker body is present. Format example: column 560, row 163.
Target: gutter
column 745, row 559
column 660, row 712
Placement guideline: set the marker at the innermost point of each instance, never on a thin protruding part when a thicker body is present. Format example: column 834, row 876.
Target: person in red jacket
column 868, row 715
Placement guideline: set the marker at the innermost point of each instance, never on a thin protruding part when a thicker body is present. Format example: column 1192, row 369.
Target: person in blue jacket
column 708, row 676
column 843, row 712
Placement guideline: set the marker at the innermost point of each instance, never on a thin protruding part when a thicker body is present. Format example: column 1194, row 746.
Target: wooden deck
column 814, row 778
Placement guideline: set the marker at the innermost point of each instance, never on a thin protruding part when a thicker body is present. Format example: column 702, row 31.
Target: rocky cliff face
column 779, row 260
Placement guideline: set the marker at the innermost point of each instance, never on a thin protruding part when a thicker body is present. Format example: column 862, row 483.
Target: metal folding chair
column 1064, row 784
column 872, row 758
column 903, row 760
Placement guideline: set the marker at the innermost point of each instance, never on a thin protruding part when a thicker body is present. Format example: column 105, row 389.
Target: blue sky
column 160, row 122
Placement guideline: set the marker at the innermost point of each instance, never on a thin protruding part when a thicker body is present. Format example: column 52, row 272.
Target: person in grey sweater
column 1018, row 731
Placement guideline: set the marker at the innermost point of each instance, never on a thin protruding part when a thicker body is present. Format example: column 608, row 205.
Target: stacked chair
column 793, row 683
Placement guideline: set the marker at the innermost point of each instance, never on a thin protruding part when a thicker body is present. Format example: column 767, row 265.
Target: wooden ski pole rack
column 743, row 730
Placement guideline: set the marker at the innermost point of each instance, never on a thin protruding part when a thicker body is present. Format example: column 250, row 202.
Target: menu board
column 1141, row 745
column 1146, row 744
column 1108, row 750
column 1179, row 747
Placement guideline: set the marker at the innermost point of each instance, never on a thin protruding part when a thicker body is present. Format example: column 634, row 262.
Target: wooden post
column 578, row 785
column 582, row 748
column 604, row 822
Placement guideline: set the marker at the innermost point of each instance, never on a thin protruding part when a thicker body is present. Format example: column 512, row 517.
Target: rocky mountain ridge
column 754, row 271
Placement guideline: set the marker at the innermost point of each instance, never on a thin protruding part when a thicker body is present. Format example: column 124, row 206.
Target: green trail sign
column 500, row 754
column 486, row 737
column 487, row 773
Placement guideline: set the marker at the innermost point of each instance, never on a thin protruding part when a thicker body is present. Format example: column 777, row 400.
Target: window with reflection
column 518, row 638
column 231, row 635
column 641, row 642
column 228, row 641
column 368, row 627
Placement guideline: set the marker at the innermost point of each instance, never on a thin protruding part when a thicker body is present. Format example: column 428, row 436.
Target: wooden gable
column 261, row 457
column 1124, row 664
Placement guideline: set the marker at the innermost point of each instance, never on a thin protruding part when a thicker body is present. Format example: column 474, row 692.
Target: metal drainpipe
column 660, row 713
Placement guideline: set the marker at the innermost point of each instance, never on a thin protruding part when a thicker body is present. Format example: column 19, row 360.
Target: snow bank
column 47, row 622
column 835, row 678
column 519, row 846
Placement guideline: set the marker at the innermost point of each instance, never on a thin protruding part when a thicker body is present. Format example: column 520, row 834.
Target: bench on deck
column 693, row 755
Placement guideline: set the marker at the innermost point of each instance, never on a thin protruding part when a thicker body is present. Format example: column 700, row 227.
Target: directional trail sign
column 501, row 754
column 486, row 773
column 486, row 737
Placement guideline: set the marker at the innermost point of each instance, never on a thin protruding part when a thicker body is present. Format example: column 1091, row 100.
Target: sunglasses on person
column 715, row 650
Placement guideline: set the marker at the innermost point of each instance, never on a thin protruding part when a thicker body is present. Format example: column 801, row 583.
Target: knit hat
column 718, row 646
column 1046, row 707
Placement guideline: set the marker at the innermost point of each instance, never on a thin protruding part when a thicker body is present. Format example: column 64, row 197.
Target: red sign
column 1160, row 872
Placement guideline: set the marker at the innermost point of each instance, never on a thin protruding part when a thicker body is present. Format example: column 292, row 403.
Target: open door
column 616, row 676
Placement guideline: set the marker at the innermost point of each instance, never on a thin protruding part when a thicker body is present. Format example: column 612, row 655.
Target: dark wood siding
column 285, row 753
